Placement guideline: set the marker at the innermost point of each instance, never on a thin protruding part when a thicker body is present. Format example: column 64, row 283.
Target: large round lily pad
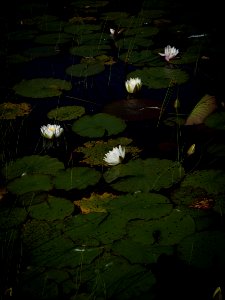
column 77, row 178
column 42, row 87
column 34, row 164
column 52, row 209
column 98, row 125
column 160, row 77
column 147, row 175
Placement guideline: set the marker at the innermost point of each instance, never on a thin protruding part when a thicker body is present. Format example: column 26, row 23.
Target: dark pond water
column 151, row 227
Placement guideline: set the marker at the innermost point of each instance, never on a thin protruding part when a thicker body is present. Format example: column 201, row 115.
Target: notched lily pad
column 77, row 178
column 53, row 208
column 42, row 87
column 94, row 151
column 160, row 77
column 31, row 183
column 34, row 164
column 98, row 125
column 147, row 175
column 65, row 113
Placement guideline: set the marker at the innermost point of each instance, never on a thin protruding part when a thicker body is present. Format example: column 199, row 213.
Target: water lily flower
column 51, row 131
column 169, row 52
column 115, row 156
column 133, row 85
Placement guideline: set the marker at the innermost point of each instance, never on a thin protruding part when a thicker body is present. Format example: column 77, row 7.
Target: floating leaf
column 89, row 50
column 42, row 87
column 216, row 120
column 84, row 70
column 204, row 250
column 31, row 183
column 98, row 125
column 12, row 217
column 160, row 77
column 77, row 178
column 65, row 113
column 53, row 38
column 42, row 51
column 52, row 209
column 9, row 111
column 142, row 58
column 169, row 230
column 95, row 151
column 202, row 110
column 33, row 164
column 96, row 203
column 147, row 175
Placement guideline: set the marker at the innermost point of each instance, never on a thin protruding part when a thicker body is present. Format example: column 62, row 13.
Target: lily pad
column 10, row 111
column 42, row 87
column 160, row 77
column 85, row 70
column 77, row 178
column 147, row 175
column 204, row 250
column 167, row 231
column 89, row 50
column 65, row 113
column 53, row 38
column 95, row 151
column 34, row 164
column 53, row 209
column 216, row 120
column 31, row 183
column 142, row 58
column 12, row 217
column 42, row 51
column 99, row 125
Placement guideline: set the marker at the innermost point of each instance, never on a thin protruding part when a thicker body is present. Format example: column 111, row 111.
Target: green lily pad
column 31, row 183
column 99, row 125
column 31, row 165
column 147, row 175
column 199, row 185
column 84, row 70
column 204, row 250
column 65, row 113
column 77, row 178
column 42, row 87
column 78, row 29
column 167, row 231
column 89, row 50
column 160, row 77
column 122, row 281
column 42, row 51
column 52, row 25
column 53, row 38
column 21, row 35
column 142, row 58
column 12, row 217
column 216, row 120
column 52, row 209
column 136, row 253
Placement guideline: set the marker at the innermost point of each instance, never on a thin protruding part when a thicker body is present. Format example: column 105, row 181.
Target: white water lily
column 169, row 52
column 133, row 85
column 115, row 156
column 51, row 131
